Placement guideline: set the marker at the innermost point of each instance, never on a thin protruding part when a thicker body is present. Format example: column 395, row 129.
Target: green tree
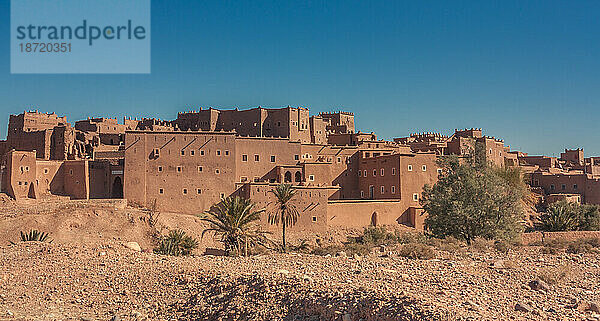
column 471, row 200
column 235, row 222
column 285, row 211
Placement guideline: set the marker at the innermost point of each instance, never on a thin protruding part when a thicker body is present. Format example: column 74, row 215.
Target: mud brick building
column 344, row 177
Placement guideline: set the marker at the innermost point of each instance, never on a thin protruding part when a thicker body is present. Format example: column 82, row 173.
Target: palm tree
column 285, row 211
column 234, row 221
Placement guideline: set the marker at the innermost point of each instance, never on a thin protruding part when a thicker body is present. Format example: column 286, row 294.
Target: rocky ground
column 41, row 281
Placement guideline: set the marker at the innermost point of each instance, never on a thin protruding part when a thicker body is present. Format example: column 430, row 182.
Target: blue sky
column 525, row 71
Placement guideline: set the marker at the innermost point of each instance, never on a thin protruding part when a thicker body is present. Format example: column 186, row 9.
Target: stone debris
column 57, row 281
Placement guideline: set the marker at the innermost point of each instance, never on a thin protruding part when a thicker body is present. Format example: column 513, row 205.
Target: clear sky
column 525, row 71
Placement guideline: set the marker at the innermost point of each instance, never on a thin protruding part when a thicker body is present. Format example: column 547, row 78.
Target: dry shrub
column 417, row 251
column 482, row 245
column 556, row 275
column 582, row 245
column 449, row 244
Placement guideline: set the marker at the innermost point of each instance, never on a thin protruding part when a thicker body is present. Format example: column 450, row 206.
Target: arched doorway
column 117, row 189
column 298, row 177
column 288, row 177
column 374, row 219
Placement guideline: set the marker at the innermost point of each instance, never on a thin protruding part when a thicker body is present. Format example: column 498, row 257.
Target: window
column 218, row 152
column 311, row 177
column 256, row 179
column 45, row 171
column 362, row 194
column 410, row 168
column 199, row 169
column 393, row 170
column 226, row 153
column 382, row 189
column 256, row 158
column 179, row 169
column 359, row 174
column 244, row 158
column 314, row 218
column 243, row 179
column 192, row 152
column 393, row 189
column 563, row 187
column 182, row 153
column 161, row 191
column 382, row 172
column 551, row 187
column 198, row 191
column 365, row 173
column 217, row 171
column 272, row 159
column 70, row 172
column 156, row 152
column 415, row 197
column 222, row 195
column 184, row 191
column 490, row 151
column 201, row 153
column 374, row 172
column 160, row 168
column 424, row 168
column 296, row 157
column 339, row 159
column 574, row 186
column 439, row 171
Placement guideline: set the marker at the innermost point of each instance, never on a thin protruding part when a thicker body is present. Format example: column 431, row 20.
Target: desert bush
column 417, row 251
column 449, row 244
column 502, row 246
column 582, row 245
column 471, row 200
column 570, row 216
column 35, row 236
column 556, row 275
column 176, row 243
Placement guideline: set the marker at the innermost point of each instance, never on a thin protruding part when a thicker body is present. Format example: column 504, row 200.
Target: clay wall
column 254, row 157
column 76, row 179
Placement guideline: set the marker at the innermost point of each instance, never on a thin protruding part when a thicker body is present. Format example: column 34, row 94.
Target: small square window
column 415, row 197
column 314, row 218
column 272, row 159
column 185, row 191
column 393, row 170
column 201, row 153
column 362, row 194
column 296, row 157
column 199, row 168
column 156, row 152
column 244, row 158
column 179, row 169
column 552, row 187
column 218, row 152
column 339, row 159
column 563, row 187
column 365, row 173
column 198, row 191
column 424, row 168
column 382, row 172
column 410, row 168
column 70, row 172
column 182, row 153
column 161, row 191
column 192, row 152
column 256, row 158
column 222, row 195
column 45, row 171
column 217, row 171
column 311, row 177
column 574, row 186
column 393, row 189
column 374, row 172
column 359, row 174
column 160, row 168
column 226, row 153
column 382, row 189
